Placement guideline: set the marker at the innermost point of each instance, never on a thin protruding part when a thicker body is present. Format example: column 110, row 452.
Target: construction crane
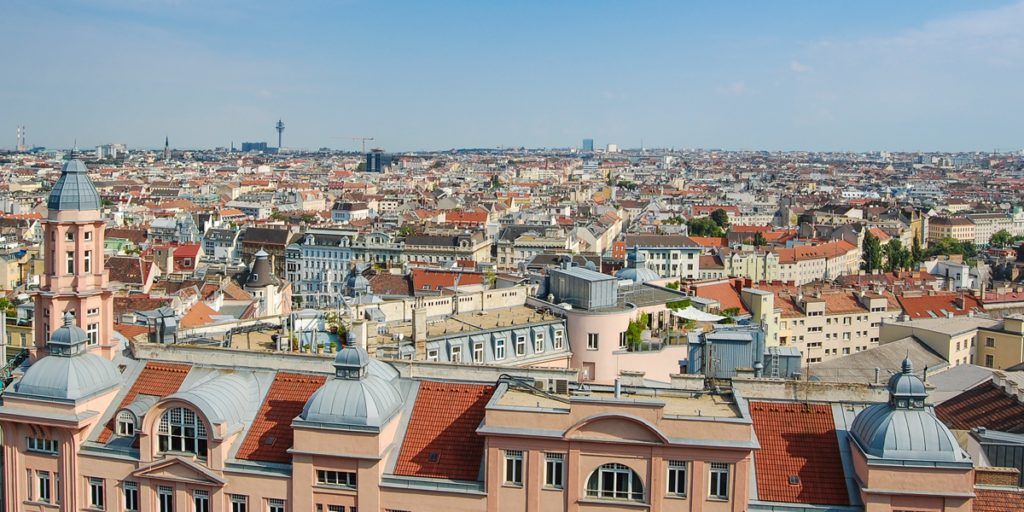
column 364, row 139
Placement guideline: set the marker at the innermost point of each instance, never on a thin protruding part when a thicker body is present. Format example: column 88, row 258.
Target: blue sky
column 897, row 76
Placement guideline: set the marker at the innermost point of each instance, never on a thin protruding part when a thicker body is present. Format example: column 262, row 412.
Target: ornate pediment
column 177, row 469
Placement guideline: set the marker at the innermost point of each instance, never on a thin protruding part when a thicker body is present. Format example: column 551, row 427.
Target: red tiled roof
column 444, row 421
column 285, row 400
column 997, row 500
column 160, row 379
column 800, row 440
column 984, row 405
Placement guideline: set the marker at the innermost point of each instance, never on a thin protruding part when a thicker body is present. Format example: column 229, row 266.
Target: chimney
column 419, row 332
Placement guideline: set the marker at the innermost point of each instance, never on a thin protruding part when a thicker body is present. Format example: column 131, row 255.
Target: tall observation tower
column 280, row 130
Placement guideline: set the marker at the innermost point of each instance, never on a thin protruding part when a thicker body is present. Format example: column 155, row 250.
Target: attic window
column 434, row 457
column 794, row 480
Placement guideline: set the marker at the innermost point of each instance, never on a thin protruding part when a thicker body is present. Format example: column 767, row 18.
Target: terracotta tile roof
column 271, row 435
column 798, row 440
column 198, row 315
column 997, row 500
column 444, row 421
column 984, row 405
column 918, row 307
column 159, row 379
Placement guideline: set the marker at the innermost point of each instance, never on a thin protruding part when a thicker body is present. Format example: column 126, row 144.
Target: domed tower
column 74, row 279
column 360, row 395
column 71, row 373
column 905, row 428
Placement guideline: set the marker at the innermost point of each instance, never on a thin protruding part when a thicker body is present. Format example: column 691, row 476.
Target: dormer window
column 126, row 424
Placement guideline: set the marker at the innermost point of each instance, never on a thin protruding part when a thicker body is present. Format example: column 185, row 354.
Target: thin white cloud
column 800, row 68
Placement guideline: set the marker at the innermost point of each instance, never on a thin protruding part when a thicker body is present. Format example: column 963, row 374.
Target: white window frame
column 514, row 468
column 677, row 471
column 130, row 496
column 718, row 485
column 554, row 470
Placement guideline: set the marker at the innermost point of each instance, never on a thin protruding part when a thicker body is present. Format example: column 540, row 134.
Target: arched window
column 182, row 430
column 615, row 482
column 126, row 424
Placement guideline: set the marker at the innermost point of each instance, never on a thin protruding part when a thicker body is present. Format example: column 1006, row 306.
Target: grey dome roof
column 360, row 394
column 222, row 399
column 369, row 401
column 638, row 275
column 351, row 356
column 903, row 428
column 78, row 377
column 74, row 190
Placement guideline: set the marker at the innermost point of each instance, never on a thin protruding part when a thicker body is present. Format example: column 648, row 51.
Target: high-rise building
column 377, row 160
column 588, row 145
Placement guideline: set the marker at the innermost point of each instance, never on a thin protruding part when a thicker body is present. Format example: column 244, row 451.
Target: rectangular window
column 339, row 478
column 538, row 342
column 513, row 467
column 87, row 262
column 43, row 481
column 239, row 502
column 677, row 477
column 554, row 469
column 499, row 349
column 275, row 505
column 36, row 444
column 131, row 496
column 719, row 480
column 456, row 354
column 520, row 346
column 478, row 353
column 94, row 333
column 201, row 500
column 592, row 341
column 96, row 493
column 70, row 262
column 559, row 336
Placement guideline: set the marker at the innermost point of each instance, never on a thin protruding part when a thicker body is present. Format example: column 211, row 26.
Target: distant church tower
column 74, row 279
column 167, row 148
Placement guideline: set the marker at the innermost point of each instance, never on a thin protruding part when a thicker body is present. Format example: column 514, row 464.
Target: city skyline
column 930, row 76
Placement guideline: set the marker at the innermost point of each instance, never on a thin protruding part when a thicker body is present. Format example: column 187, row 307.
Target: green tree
column 759, row 239
column 721, row 217
column 871, row 253
column 634, row 333
column 704, row 226
column 895, row 256
column 1001, row 238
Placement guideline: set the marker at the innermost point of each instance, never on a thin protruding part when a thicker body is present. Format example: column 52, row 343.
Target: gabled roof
column 271, row 435
column 798, row 440
column 985, row 405
column 157, row 379
column 444, row 422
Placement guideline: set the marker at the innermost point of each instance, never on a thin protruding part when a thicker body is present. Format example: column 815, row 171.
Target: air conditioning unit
column 561, row 386
column 541, row 384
